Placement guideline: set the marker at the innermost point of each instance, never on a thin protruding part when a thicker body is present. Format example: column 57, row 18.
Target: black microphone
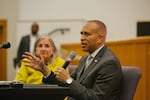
column 5, row 45
column 69, row 59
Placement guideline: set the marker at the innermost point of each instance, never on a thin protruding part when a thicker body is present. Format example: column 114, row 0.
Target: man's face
column 35, row 29
column 89, row 37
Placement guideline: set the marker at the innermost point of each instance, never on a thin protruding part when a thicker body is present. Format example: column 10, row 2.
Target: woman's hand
column 35, row 62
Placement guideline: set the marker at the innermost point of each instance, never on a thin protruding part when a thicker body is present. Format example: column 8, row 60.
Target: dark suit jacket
column 23, row 46
column 101, row 80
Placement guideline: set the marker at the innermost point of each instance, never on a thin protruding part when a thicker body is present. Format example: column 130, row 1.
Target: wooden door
column 3, row 52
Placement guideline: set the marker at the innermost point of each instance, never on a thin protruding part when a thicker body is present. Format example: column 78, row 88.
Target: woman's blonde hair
column 51, row 42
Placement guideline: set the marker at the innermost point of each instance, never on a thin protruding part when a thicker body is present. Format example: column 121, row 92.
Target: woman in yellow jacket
column 44, row 48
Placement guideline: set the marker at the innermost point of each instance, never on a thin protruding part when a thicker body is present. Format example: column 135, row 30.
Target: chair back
column 131, row 77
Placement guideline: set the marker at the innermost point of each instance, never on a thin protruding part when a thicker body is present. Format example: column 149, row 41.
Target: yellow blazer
column 31, row 76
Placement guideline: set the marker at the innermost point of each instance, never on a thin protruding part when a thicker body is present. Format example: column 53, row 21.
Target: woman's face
column 44, row 49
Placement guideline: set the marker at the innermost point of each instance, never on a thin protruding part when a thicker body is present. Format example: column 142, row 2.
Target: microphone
column 5, row 45
column 69, row 59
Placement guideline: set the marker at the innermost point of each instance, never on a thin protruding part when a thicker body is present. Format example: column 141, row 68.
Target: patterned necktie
column 88, row 61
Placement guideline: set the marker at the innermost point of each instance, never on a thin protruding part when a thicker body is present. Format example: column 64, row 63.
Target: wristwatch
column 69, row 81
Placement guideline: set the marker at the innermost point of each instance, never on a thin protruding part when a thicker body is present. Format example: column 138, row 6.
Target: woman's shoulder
column 23, row 64
column 59, row 59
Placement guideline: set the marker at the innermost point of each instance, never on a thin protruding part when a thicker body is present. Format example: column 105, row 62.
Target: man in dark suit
column 27, row 42
column 97, row 79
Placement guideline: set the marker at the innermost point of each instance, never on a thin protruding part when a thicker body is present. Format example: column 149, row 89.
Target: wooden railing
column 131, row 52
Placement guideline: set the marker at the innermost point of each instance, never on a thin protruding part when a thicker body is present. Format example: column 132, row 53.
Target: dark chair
column 131, row 77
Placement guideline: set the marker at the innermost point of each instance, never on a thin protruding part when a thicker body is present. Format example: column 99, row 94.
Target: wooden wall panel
column 132, row 52
column 67, row 48
column 3, row 52
column 148, row 70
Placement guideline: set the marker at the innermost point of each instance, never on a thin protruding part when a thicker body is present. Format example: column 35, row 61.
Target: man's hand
column 62, row 74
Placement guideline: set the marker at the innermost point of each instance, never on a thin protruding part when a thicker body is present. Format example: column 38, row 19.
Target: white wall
column 68, row 36
column 120, row 16
column 9, row 11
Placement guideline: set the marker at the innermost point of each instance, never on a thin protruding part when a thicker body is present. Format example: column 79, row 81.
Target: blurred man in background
column 27, row 43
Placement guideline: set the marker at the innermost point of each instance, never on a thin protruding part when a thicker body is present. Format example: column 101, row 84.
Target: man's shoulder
column 26, row 36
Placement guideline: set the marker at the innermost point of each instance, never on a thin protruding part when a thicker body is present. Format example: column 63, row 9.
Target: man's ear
column 100, row 38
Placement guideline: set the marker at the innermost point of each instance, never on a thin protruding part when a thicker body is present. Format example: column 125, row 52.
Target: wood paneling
column 67, row 48
column 132, row 52
column 135, row 52
column 3, row 53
